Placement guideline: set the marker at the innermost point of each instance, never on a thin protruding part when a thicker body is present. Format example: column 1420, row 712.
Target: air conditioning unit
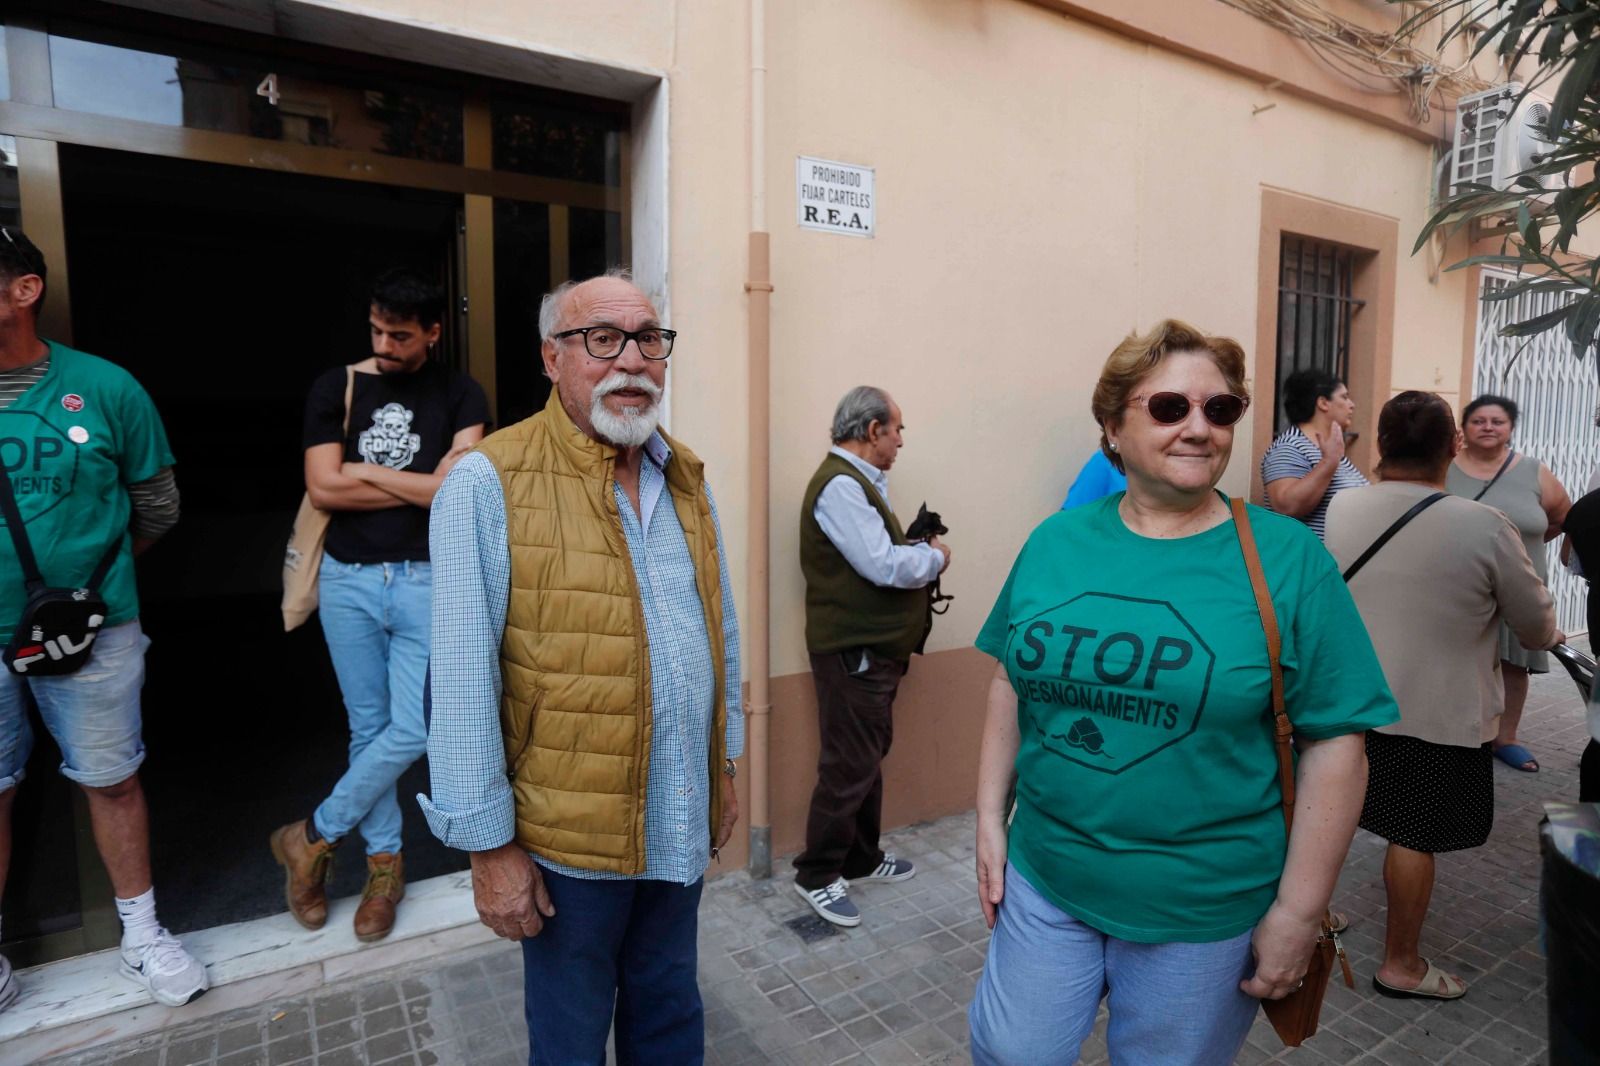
column 1499, row 134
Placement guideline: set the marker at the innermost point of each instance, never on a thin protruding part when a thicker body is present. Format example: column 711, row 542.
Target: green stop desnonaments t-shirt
column 71, row 445
column 1148, row 803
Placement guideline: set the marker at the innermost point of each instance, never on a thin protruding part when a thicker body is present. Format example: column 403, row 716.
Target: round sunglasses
column 1170, row 408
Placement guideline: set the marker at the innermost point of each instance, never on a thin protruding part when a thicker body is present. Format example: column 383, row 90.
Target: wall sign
column 834, row 197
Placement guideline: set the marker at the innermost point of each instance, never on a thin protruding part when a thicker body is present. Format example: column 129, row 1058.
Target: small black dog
column 928, row 524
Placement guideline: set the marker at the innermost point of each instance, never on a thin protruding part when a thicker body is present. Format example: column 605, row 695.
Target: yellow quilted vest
column 575, row 707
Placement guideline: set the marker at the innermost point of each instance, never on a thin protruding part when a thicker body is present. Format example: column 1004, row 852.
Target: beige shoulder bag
column 303, row 556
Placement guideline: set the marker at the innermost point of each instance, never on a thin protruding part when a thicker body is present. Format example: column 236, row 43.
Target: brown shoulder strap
column 1282, row 729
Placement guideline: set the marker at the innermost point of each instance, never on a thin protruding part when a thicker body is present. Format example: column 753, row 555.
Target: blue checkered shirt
column 472, row 807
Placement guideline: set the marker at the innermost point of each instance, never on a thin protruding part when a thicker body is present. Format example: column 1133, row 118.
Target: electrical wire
column 1376, row 61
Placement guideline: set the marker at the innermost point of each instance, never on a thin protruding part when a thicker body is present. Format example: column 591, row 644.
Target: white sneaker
column 10, row 987
column 172, row 975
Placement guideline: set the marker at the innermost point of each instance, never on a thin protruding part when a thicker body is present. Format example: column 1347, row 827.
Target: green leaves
column 1560, row 40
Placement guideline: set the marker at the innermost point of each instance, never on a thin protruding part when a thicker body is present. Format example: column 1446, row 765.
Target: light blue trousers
column 376, row 620
column 1170, row 1004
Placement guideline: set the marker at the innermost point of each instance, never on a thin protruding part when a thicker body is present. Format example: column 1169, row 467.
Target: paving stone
column 290, row 1049
column 338, row 1035
column 285, row 1019
column 384, row 1020
column 336, row 1007
column 843, row 1008
column 349, row 1055
column 192, row 1051
column 387, row 1045
column 248, row 1057
column 899, row 1018
column 239, row 1038
column 788, row 999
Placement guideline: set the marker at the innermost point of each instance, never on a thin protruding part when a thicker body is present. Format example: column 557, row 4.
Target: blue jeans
column 1170, row 1004
column 630, row 944
column 376, row 620
column 93, row 713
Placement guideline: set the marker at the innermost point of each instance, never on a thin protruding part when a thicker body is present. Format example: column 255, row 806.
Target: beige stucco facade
column 1050, row 176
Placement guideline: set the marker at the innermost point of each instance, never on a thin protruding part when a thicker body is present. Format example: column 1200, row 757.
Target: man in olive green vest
column 867, row 609
column 585, row 688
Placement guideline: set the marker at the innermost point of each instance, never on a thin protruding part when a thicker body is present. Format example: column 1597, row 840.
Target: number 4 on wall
column 269, row 89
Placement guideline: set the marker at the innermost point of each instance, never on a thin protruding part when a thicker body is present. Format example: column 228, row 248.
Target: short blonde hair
column 1137, row 357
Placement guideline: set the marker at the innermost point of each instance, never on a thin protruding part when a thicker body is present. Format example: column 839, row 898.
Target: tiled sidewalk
column 782, row 987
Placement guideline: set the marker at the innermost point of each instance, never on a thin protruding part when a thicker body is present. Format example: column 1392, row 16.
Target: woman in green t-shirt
column 1146, row 860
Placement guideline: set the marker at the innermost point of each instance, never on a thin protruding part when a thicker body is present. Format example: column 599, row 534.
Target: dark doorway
column 226, row 291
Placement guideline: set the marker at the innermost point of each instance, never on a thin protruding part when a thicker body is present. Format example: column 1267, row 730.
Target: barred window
column 1315, row 308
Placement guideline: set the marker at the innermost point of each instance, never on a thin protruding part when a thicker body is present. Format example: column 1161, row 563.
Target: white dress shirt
column 854, row 526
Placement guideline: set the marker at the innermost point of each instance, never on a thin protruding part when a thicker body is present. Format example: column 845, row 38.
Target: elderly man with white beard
column 585, row 688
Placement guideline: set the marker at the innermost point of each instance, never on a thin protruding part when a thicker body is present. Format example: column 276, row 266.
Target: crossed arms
column 335, row 485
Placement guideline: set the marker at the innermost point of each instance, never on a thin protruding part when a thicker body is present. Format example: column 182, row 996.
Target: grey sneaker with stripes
column 832, row 902
column 890, row 869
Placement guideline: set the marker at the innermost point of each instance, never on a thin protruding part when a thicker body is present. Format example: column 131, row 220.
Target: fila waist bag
column 58, row 626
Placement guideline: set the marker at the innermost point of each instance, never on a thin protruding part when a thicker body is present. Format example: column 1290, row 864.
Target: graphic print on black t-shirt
column 1107, row 681
column 389, row 440
column 400, row 421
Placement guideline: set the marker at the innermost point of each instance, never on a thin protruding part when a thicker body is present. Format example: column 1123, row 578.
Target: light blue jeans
column 1170, row 1004
column 376, row 620
column 93, row 713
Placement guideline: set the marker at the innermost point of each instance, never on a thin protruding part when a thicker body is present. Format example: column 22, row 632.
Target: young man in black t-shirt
column 410, row 419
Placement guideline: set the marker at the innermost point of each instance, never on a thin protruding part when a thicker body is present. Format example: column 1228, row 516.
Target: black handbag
column 58, row 626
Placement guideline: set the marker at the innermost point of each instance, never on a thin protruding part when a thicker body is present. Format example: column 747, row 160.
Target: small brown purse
column 1294, row 1017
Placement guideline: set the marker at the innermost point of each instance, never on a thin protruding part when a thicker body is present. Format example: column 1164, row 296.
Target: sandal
column 1449, row 986
column 1340, row 921
column 1517, row 757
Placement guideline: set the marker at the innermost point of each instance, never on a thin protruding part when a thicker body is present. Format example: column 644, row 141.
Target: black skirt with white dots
column 1428, row 797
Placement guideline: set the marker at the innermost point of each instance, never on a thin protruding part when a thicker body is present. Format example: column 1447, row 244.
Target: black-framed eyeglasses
column 1170, row 408
column 27, row 263
column 607, row 342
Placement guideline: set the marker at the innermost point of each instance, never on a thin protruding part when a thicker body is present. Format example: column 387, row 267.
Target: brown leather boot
column 386, row 887
column 307, row 868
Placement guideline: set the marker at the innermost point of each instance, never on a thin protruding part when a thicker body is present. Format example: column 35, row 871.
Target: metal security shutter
column 1556, row 394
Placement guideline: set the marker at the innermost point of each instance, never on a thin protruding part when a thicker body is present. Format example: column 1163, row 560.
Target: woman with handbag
column 1489, row 470
column 1148, row 861
column 1434, row 598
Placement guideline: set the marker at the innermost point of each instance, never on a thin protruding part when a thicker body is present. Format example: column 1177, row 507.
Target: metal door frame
column 39, row 128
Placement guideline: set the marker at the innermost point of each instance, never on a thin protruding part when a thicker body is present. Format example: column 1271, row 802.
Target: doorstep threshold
column 75, row 1004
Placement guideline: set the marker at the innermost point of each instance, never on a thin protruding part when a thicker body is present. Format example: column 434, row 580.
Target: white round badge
column 78, row 435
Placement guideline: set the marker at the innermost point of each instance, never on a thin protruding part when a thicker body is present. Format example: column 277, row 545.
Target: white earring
column 1113, row 445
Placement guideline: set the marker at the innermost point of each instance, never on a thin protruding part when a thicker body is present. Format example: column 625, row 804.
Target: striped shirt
column 1294, row 455
column 13, row 383
column 471, row 807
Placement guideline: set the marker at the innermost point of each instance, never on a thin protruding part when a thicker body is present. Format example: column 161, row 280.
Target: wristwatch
column 730, row 768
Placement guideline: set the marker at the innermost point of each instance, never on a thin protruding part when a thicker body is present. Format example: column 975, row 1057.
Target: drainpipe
column 758, row 617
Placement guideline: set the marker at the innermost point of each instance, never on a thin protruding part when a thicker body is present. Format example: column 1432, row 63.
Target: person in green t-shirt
column 1129, row 717
column 89, row 467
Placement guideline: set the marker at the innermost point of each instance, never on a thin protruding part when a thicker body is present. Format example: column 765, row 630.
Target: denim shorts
column 93, row 714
